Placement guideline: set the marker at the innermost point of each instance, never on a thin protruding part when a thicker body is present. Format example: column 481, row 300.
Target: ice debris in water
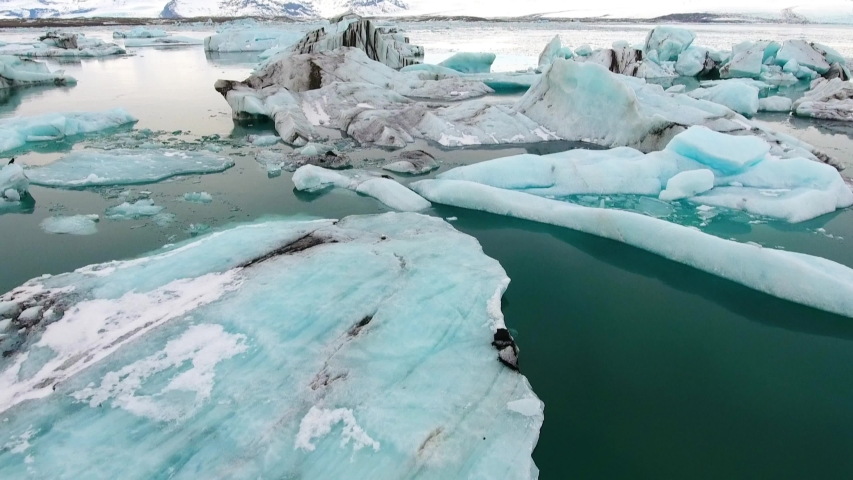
column 72, row 225
column 196, row 229
column 273, row 339
column 803, row 189
column 738, row 96
column 470, row 62
column 775, row 104
column 263, row 140
column 198, row 197
column 18, row 72
column 688, row 184
column 124, row 167
column 141, row 32
column 311, row 179
column 797, row 277
column 62, row 45
column 18, row 132
column 413, row 162
column 14, row 183
column 132, row 211
column 170, row 41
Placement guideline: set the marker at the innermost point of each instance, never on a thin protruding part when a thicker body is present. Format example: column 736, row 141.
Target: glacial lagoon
column 647, row 368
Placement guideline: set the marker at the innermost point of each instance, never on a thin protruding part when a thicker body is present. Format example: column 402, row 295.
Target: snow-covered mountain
column 819, row 11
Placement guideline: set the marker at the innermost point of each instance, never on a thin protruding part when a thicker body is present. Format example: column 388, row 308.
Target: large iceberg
column 381, row 43
column 804, row 54
column 796, row 277
column 88, row 168
column 311, row 179
column 738, row 96
column 828, row 99
column 18, row 132
column 287, row 348
column 668, row 42
column 743, row 175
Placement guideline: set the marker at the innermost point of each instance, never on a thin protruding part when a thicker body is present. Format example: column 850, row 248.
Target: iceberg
column 141, row 32
column 695, row 61
column 804, row 54
column 63, row 45
column 22, row 72
column 554, row 49
column 89, row 168
column 668, row 42
column 381, row 43
column 198, row 197
column 775, row 104
column 828, row 99
column 738, row 96
column 747, row 60
column 272, row 348
column 792, row 189
column 470, row 62
column 309, row 178
column 19, row 132
column 412, row 162
column 133, row 211
column 14, row 183
column 71, row 225
column 796, row 277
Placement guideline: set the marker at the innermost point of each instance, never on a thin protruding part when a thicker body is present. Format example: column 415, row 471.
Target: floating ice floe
column 250, row 40
column 382, row 43
column 71, row 225
column 470, row 62
column 262, row 140
column 311, row 179
column 133, row 211
column 88, row 168
column 198, row 197
column 59, row 44
column 264, row 350
column 170, row 41
column 804, row 279
column 828, row 99
column 668, row 42
column 775, row 104
column 793, row 189
column 22, row 72
column 141, row 32
column 14, row 183
column 18, row 132
column 738, row 96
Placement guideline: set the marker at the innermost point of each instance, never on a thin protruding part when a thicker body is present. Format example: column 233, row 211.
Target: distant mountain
column 814, row 11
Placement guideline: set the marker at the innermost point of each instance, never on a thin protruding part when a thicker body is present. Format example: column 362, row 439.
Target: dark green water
column 648, row 369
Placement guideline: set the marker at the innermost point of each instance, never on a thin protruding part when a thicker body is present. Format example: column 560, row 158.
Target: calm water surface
column 648, row 368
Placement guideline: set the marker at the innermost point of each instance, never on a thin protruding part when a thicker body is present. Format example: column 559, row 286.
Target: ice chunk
column 18, row 72
column 18, row 132
column 775, row 104
column 273, row 339
column 747, row 60
column 654, row 207
column 132, row 211
column 828, row 99
column 470, row 62
column 262, row 140
column 310, row 178
column 725, row 153
column 668, row 42
column 87, row 168
column 688, row 184
column 73, row 225
column 738, row 96
column 278, row 104
column 198, row 197
column 383, row 44
column 694, row 61
column 13, row 182
column 141, row 32
column 170, row 41
column 62, row 45
column 413, row 162
column 554, row 49
column 804, row 54
column 796, row 277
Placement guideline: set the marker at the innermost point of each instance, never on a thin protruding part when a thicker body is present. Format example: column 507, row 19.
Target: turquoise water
column 648, row 368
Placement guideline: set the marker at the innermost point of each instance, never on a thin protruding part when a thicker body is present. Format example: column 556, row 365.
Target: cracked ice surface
column 295, row 348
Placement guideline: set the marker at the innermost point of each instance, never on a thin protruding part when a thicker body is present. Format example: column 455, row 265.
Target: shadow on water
column 26, row 206
column 743, row 301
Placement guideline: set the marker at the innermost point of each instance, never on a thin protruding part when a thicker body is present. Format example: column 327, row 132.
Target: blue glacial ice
column 310, row 178
column 14, row 183
column 745, row 176
column 738, row 96
column 270, row 349
column 694, row 61
column 250, row 40
column 88, row 168
column 141, row 31
column 554, row 49
column 775, row 104
column 19, row 132
column 132, row 211
column 470, row 62
column 668, row 42
column 804, row 54
column 796, row 277
column 22, row 72
column 71, row 224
